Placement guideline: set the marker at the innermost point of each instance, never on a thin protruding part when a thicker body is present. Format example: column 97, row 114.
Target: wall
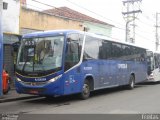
column 34, row 20
column 99, row 28
column 8, row 60
column 11, row 16
column 10, row 26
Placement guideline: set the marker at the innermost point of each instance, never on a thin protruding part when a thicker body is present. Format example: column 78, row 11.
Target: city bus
column 64, row 62
column 153, row 59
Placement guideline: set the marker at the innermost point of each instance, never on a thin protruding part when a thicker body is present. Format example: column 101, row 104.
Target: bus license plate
column 33, row 92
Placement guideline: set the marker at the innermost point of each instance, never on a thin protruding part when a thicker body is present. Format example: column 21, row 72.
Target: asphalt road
column 145, row 98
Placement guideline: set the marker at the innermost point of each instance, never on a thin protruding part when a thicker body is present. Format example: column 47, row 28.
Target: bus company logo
column 71, row 79
column 122, row 66
column 87, row 68
column 40, row 79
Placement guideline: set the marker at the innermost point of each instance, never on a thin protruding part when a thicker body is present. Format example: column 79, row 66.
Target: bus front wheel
column 131, row 82
column 85, row 90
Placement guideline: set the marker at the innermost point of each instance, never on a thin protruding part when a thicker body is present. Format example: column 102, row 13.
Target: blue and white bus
column 63, row 62
column 153, row 59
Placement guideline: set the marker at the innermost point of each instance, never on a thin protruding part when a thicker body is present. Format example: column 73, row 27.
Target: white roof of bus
column 113, row 40
column 87, row 33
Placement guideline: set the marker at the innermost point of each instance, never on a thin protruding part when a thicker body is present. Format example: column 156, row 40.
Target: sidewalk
column 14, row 96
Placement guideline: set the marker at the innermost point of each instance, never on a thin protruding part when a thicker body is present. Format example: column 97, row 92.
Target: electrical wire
column 35, row 7
column 118, row 27
column 148, row 18
column 143, row 31
column 146, row 24
column 101, row 15
column 96, row 14
column 144, row 37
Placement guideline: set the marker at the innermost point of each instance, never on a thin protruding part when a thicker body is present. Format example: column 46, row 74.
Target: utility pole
column 1, row 47
column 157, row 36
column 130, row 16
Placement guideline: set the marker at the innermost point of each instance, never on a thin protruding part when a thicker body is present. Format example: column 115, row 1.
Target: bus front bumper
column 48, row 89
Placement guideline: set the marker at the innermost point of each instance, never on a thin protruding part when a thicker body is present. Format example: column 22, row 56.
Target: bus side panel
column 123, row 72
column 106, row 73
column 110, row 73
column 141, row 72
column 72, row 81
column 92, row 68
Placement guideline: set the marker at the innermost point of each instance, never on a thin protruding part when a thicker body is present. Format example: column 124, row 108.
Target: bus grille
column 34, row 83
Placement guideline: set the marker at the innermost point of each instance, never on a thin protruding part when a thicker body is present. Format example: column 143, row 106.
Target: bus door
column 72, row 75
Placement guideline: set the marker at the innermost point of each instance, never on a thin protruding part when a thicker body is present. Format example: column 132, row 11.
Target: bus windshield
column 40, row 54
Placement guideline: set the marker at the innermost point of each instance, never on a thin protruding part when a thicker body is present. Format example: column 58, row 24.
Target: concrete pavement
column 12, row 95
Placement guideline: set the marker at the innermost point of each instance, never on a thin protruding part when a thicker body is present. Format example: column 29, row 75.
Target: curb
column 17, row 98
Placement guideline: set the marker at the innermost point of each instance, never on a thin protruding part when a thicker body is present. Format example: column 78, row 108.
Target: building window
column 5, row 6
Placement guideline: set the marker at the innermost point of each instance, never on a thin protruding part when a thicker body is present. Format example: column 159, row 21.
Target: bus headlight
column 54, row 79
column 19, row 80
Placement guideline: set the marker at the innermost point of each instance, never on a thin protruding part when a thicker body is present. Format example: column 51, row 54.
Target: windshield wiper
column 34, row 57
column 25, row 63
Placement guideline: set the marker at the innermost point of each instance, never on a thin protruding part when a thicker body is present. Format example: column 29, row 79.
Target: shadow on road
column 149, row 83
column 67, row 100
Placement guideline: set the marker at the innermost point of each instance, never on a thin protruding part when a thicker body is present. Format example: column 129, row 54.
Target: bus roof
column 49, row 33
column 65, row 32
column 113, row 40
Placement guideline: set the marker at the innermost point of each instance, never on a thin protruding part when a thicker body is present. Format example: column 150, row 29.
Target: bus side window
column 72, row 51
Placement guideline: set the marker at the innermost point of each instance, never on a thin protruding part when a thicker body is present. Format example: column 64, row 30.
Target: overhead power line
column 118, row 27
column 96, row 13
column 110, row 19
column 147, row 18
column 92, row 12
column 143, row 31
column 146, row 24
column 64, row 11
column 35, row 7
column 130, row 15
column 145, row 37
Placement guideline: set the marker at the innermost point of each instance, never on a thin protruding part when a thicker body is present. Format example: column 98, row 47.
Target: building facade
column 11, row 16
column 59, row 18
column 10, row 29
column 32, row 20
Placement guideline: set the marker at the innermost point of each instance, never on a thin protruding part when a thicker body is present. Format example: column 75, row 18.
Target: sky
column 110, row 11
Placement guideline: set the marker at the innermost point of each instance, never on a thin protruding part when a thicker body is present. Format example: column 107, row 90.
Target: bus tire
column 131, row 82
column 85, row 90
